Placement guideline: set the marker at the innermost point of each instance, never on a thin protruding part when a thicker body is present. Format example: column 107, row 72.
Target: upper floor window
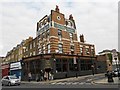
column 33, row 44
column 72, row 47
column 47, row 33
column 87, row 51
column 59, row 33
column 48, row 47
column 92, row 51
column 60, row 47
column 81, row 50
column 71, row 36
column 30, row 45
column 34, row 53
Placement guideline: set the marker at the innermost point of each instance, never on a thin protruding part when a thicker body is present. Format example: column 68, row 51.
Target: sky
column 96, row 20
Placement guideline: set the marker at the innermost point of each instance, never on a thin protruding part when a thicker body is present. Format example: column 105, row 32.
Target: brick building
column 59, row 53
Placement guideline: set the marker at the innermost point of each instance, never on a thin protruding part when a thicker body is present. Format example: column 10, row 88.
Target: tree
column 119, row 56
column 110, row 57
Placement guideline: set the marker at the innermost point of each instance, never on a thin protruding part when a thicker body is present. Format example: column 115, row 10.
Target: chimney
column 57, row 9
column 82, row 38
column 70, row 17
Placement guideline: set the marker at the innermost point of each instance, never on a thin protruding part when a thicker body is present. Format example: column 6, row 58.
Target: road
column 86, row 82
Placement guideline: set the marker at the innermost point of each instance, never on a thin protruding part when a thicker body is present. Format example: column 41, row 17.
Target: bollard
column 110, row 77
column 76, row 75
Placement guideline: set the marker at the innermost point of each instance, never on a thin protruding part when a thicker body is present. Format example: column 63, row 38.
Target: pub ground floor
column 56, row 66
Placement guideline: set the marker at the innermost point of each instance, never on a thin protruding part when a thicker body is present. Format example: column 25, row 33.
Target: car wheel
column 9, row 84
column 2, row 84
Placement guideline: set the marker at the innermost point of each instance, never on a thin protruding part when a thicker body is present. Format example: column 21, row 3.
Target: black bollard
column 76, row 75
column 66, row 75
column 110, row 77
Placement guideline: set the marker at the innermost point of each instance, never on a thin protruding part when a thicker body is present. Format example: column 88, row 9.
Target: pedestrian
column 92, row 67
column 29, row 76
column 37, row 77
column 41, row 75
column 45, row 76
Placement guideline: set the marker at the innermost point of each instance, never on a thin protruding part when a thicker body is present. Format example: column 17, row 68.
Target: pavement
column 66, row 79
column 105, row 81
column 100, row 81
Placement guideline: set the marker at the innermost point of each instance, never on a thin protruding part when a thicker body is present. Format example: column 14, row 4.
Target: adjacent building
column 4, row 66
column 111, row 57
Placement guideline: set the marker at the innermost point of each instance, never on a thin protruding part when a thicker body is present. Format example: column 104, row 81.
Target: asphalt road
column 76, row 83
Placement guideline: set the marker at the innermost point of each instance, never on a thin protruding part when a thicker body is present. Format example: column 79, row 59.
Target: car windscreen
column 12, row 77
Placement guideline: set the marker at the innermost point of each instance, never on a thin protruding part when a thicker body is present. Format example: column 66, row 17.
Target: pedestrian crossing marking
column 68, row 83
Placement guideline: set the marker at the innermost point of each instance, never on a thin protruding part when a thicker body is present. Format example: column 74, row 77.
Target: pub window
column 86, row 65
column 58, row 65
column 65, row 65
column 71, row 65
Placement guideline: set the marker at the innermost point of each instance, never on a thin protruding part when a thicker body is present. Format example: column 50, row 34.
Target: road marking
column 81, row 83
column 68, row 83
column 88, row 79
column 74, row 83
column 53, row 83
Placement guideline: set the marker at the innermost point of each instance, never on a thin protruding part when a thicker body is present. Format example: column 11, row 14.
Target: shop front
column 15, row 69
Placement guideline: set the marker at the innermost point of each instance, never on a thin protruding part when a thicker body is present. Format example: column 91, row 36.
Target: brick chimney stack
column 70, row 17
column 82, row 38
column 57, row 9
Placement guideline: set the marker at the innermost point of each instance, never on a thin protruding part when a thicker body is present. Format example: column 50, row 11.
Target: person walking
column 29, row 76
column 37, row 77
column 92, row 67
column 41, row 75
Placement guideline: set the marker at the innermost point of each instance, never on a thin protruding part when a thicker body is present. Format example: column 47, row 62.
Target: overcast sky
column 98, row 21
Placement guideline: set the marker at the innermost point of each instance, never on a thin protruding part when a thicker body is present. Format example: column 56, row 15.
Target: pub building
column 59, row 53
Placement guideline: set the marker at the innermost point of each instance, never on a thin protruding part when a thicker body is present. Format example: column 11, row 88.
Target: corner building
column 59, row 53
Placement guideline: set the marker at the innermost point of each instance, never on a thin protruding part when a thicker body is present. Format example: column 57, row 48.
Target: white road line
column 81, row 83
column 53, row 83
column 88, row 79
column 74, row 83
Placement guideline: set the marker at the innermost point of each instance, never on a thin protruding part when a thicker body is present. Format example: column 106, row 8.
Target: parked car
column 115, row 72
column 10, row 80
